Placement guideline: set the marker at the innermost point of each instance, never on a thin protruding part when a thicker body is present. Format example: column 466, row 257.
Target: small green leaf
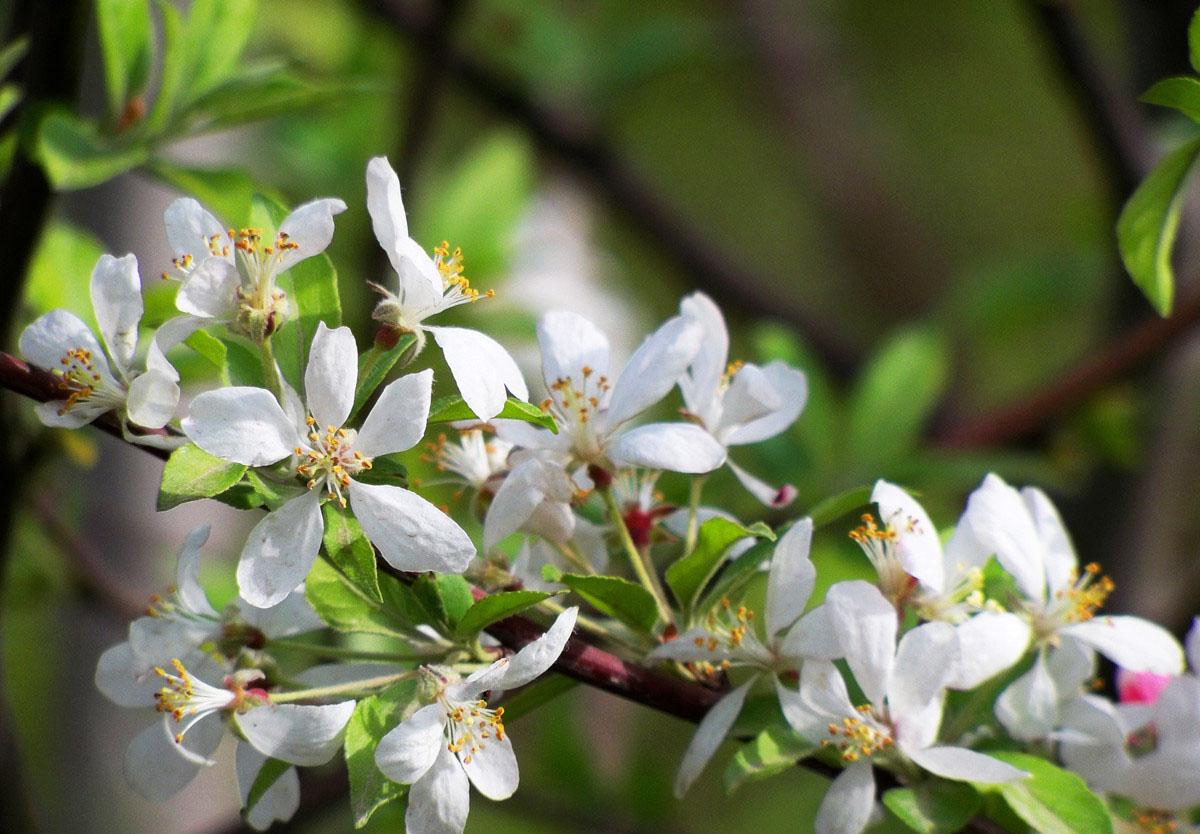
column 374, row 365
column 934, row 807
column 1194, row 41
column 11, row 54
column 618, row 598
column 385, row 469
column 192, row 473
column 840, row 505
column 241, row 497
column 1051, row 800
column 127, row 42
column 212, row 350
column 76, row 156
column 348, row 548
column 734, row 574
column 1147, row 225
column 373, row 718
column 688, row 576
column 312, row 286
column 60, row 273
column 268, row 774
column 176, row 55
column 272, row 492
column 253, row 98
column 1180, row 93
column 217, row 32
column 341, row 603
column 447, row 596
column 453, row 408
column 495, row 607
column 774, row 750
column 894, row 397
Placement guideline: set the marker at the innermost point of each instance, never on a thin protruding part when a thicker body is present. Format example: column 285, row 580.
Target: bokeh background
column 913, row 202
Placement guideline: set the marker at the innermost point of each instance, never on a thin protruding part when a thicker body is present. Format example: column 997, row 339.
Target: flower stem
column 693, row 522
column 271, row 377
column 637, row 559
column 574, row 557
column 348, row 688
column 345, row 653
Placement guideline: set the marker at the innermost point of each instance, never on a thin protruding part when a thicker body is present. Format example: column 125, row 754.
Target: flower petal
column 773, row 497
column 791, row 578
column 926, row 659
column 812, row 636
column 438, row 802
column 411, row 533
column 917, row 543
column 988, row 644
column 1028, row 708
column 709, row 735
column 1132, row 643
column 152, row 399
column 750, row 397
column 210, row 290
column 56, row 414
column 293, row 615
column 1058, row 554
column 849, row 802
column 823, row 693
column 122, row 680
column 190, row 228
column 791, row 387
column 44, row 342
column 519, row 495
column 699, row 385
column 964, row 765
column 297, row 733
column 311, row 227
column 407, row 752
column 280, row 550
column 157, row 768
column 535, row 658
column 570, row 343
column 386, row 208
column 675, row 447
column 482, row 369
column 397, row 421
column 278, row 803
column 865, row 623
column 241, row 424
column 1000, row 521
column 691, row 645
column 330, row 376
column 117, row 299
column 187, row 574
column 492, row 767
column 654, row 368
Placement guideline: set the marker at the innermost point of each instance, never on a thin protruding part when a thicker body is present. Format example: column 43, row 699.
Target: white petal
column 965, row 765
column 551, row 520
column 241, row 424
column 482, row 369
column 117, row 299
column 1058, row 554
column 421, row 290
column 791, row 578
column 438, row 802
column 534, row 659
column 917, row 543
column 1132, row 643
column 44, row 342
column 528, row 436
column 280, row 550
column 654, row 368
column 156, row 767
column 866, row 628
column 519, row 495
column 709, row 735
column 411, row 533
column 926, row 658
column 774, row 497
column 330, row 376
column 210, row 290
column 386, row 208
column 171, row 333
column 849, row 802
column 1072, row 667
column 190, row 228
column 691, row 645
column 492, row 768
column 1192, row 642
column 988, row 644
column 297, row 733
column 278, row 803
column 570, row 343
column 152, row 399
column 823, row 693
column 397, row 422
column 294, row 615
column 750, row 397
column 156, row 641
column 699, row 385
column 813, row 636
column 1094, row 743
column 791, row 386
column 408, row 751
column 187, row 574
column 121, row 678
column 1001, row 522
column 310, row 226
column 79, row 414
column 675, row 447
column 1028, row 708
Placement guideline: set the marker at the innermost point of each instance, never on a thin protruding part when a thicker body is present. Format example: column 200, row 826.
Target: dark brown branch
column 569, row 138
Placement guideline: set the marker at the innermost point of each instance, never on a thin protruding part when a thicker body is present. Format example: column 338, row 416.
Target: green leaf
column 1194, row 41
column 688, row 576
column 1181, row 93
column 61, row 270
column 894, row 397
column 312, row 285
column 373, row 718
column 495, row 607
column 341, row 603
column 447, row 596
column 1147, row 225
column 193, row 473
column 385, row 469
column 217, row 31
column 175, row 51
column 349, row 550
column 268, row 774
column 212, row 350
column 773, row 751
column 11, row 54
column 374, row 365
column 734, row 574
column 934, row 807
column 225, row 192
column 127, row 43
column 1051, row 800
column 840, row 505
column 76, row 156
column 250, row 99
column 618, row 598
column 448, row 409
column 241, row 497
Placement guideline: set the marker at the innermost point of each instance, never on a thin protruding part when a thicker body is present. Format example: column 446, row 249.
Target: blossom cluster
column 565, row 491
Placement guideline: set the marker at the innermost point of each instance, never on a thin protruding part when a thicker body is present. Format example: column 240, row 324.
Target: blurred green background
column 909, row 201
